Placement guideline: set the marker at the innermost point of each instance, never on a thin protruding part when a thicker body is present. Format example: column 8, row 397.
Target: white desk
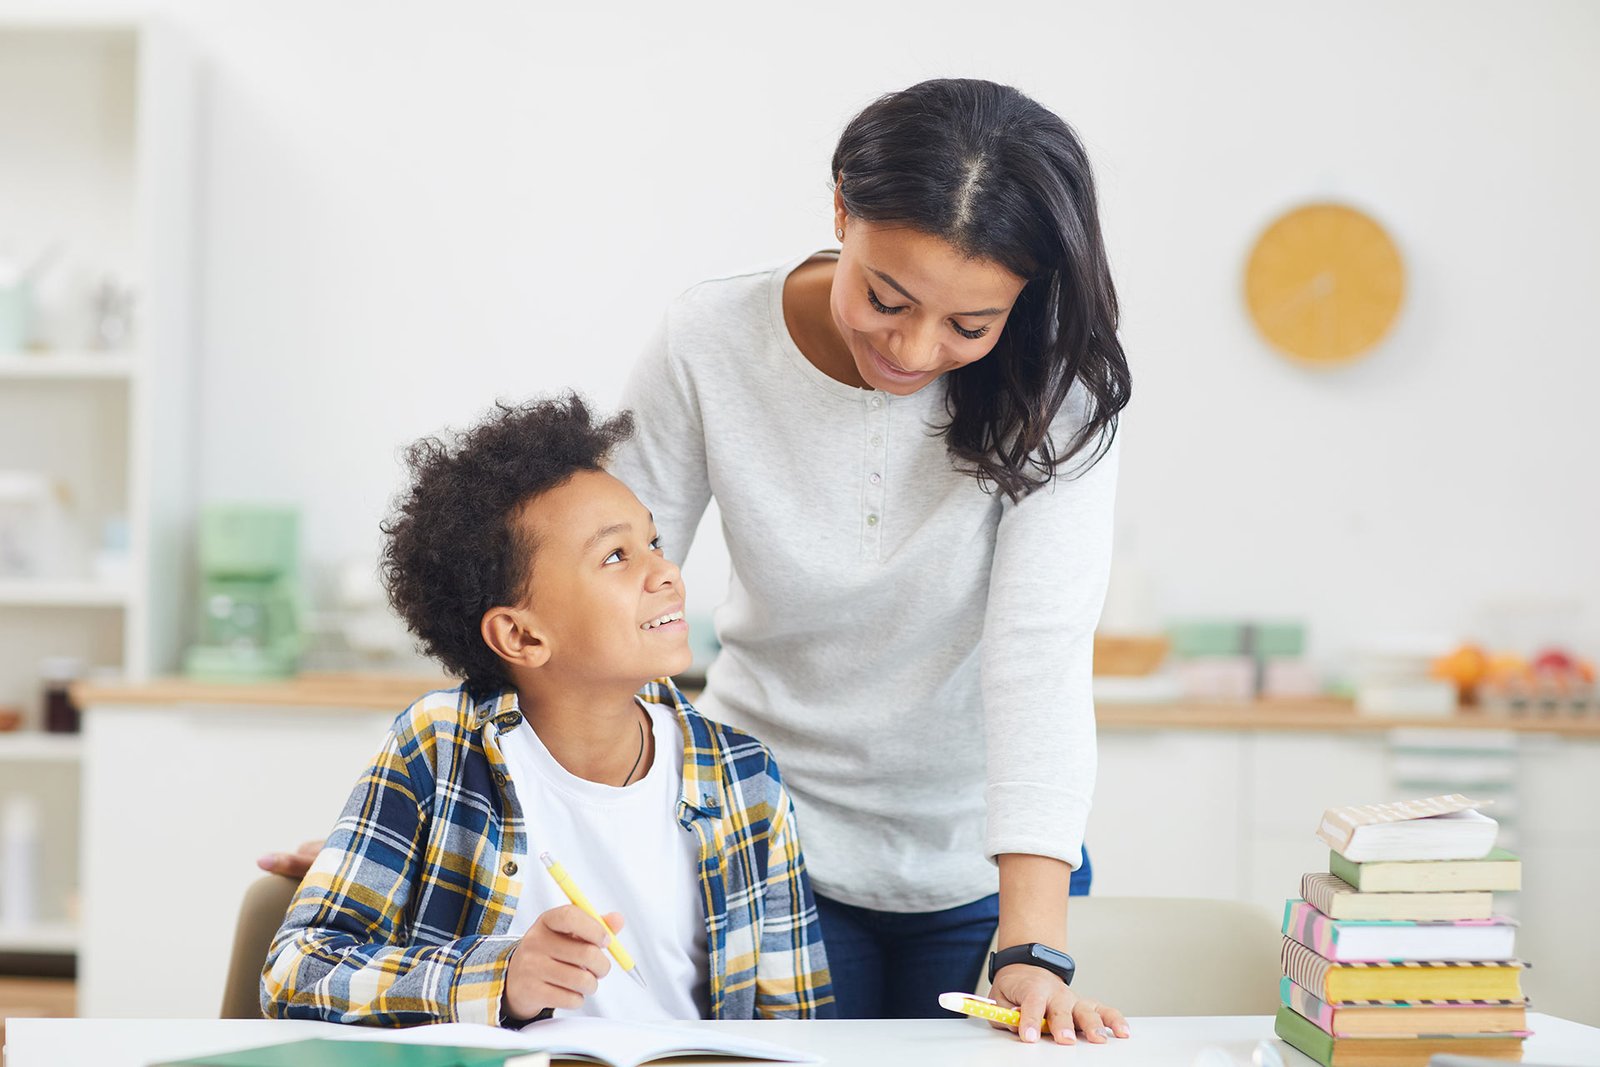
column 1169, row 1042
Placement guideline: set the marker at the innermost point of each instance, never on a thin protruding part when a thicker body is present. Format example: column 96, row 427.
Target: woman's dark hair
column 455, row 544
column 1002, row 178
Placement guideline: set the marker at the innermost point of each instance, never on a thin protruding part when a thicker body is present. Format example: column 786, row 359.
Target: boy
column 536, row 577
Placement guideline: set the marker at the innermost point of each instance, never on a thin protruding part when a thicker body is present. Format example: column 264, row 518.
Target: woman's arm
column 1047, row 586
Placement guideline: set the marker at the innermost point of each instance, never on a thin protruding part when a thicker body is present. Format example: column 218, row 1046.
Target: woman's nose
column 917, row 351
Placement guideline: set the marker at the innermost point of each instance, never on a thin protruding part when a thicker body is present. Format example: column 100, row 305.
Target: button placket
column 872, row 495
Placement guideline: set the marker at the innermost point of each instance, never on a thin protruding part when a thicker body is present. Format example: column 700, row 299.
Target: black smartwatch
column 1053, row 960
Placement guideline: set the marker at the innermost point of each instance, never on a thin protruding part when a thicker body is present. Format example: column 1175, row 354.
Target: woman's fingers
column 292, row 864
column 1033, row 1007
column 1116, row 1020
column 1086, row 1016
column 1060, row 1013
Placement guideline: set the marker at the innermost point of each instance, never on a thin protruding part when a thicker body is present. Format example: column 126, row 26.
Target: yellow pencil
column 574, row 894
column 984, row 1008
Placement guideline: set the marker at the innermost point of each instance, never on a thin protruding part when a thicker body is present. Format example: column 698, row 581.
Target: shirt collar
column 702, row 777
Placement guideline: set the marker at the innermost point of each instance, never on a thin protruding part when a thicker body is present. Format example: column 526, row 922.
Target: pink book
column 1357, row 940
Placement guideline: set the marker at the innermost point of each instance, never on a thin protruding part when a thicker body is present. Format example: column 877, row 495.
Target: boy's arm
column 792, row 979
column 340, row 955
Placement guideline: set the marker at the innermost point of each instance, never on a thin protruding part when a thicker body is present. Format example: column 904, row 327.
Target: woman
column 911, row 443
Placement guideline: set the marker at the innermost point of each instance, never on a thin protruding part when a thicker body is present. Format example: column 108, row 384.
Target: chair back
column 1173, row 956
column 266, row 902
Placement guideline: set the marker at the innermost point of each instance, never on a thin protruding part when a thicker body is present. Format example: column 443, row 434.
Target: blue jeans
column 894, row 965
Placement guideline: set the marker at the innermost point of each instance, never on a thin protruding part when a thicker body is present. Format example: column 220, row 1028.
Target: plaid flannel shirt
column 402, row 918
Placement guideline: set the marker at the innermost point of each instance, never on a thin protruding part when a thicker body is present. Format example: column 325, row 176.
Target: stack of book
column 1394, row 953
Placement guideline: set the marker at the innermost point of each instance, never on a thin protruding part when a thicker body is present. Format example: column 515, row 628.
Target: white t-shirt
column 627, row 852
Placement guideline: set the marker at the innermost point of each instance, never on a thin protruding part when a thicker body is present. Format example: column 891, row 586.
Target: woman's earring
column 839, row 233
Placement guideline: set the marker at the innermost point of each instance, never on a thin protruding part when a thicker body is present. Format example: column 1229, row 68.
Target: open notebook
column 604, row 1041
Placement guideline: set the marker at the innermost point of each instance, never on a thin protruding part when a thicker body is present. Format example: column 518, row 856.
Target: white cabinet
column 1166, row 817
column 170, row 839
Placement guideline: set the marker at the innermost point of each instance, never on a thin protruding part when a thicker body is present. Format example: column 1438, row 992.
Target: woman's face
column 910, row 307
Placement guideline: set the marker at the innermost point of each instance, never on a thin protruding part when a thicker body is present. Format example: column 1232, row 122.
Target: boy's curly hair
column 455, row 547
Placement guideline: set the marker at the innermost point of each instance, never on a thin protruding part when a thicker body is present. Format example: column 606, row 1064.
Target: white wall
column 411, row 209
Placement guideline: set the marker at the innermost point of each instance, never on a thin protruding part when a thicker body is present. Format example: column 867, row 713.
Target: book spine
column 1305, row 1004
column 1311, row 928
column 1345, row 870
column 1305, row 967
column 1318, row 893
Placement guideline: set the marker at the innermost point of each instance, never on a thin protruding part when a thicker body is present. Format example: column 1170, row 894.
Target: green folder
column 320, row 1052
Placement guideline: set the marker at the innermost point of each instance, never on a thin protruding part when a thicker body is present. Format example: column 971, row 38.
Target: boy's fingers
column 1116, row 1020
column 573, row 921
column 577, row 978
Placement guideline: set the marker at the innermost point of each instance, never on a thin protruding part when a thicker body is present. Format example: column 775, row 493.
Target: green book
column 324, row 1053
column 1331, row 1051
column 1499, row 871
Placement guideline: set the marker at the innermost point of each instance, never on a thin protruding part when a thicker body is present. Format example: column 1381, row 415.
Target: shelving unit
column 97, row 157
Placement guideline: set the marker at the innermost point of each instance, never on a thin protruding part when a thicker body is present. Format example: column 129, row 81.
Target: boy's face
column 600, row 585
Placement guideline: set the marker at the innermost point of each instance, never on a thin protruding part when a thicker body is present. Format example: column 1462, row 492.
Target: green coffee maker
column 249, row 607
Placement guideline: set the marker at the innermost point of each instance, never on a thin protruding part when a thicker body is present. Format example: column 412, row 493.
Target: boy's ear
column 515, row 637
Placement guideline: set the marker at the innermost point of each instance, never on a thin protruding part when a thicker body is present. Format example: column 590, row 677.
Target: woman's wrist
column 1033, row 900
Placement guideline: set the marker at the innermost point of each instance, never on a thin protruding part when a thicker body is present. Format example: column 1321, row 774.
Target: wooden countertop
column 1329, row 715
column 344, row 692
column 393, row 692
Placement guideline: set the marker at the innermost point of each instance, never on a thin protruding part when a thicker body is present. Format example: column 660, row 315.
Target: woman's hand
column 291, row 864
column 558, row 962
column 1040, row 995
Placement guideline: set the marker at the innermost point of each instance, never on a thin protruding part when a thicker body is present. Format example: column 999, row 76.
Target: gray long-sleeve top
column 917, row 652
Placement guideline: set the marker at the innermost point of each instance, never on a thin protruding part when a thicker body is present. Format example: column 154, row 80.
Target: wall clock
column 1324, row 283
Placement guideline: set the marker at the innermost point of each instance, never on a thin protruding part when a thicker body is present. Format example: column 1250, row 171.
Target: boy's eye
column 880, row 307
column 655, row 543
column 615, row 557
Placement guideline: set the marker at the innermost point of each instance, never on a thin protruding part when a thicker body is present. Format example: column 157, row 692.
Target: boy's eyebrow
column 615, row 528
column 959, row 314
column 605, row 532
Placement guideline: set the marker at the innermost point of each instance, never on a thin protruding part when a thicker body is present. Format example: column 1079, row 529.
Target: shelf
column 40, row 938
column 31, row 593
column 67, row 366
column 33, row 746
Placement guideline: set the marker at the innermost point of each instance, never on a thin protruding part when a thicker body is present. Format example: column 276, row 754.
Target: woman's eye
column 655, row 544
column 971, row 335
column 615, row 557
column 880, row 307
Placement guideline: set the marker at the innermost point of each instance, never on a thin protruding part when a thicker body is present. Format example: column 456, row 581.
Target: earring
column 839, row 233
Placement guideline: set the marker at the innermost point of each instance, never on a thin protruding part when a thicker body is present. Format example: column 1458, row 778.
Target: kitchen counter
column 393, row 692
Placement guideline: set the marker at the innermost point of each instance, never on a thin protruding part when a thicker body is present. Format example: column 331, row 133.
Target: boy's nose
column 666, row 573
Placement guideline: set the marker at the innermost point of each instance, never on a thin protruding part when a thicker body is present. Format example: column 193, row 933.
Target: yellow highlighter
column 574, row 894
column 984, row 1008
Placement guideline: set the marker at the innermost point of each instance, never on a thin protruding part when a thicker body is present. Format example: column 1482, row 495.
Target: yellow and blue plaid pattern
column 402, row 918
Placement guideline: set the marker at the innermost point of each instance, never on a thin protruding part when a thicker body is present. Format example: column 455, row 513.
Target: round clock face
column 1324, row 283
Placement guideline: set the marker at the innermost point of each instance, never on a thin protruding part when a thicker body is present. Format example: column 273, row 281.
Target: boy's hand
column 291, row 864
column 558, row 962
column 1040, row 995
